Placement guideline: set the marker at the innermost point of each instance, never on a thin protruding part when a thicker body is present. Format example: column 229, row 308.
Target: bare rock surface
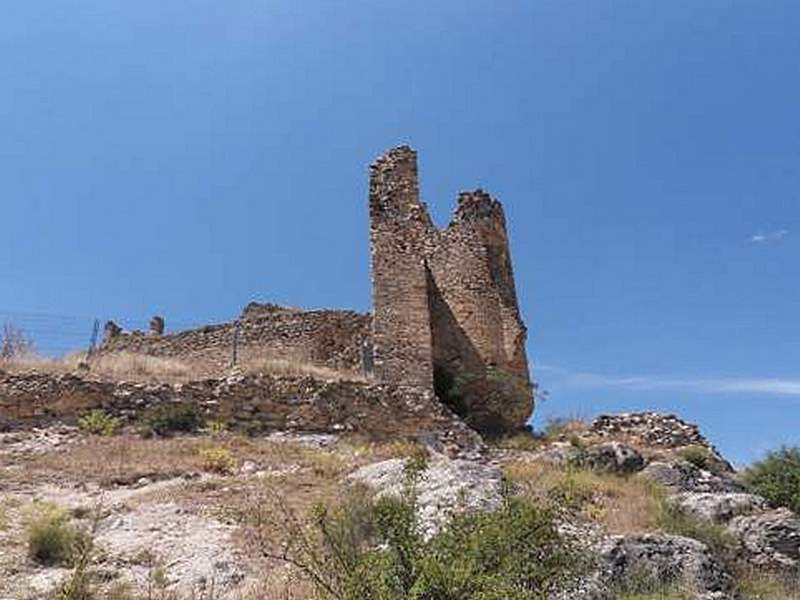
column 624, row 561
column 195, row 552
column 719, row 507
column 444, row 487
column 769, row 539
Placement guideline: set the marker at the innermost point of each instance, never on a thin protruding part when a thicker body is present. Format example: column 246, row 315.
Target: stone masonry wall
column 252, row 403
column 462, row 330
column 326, row 338
column 399, row 225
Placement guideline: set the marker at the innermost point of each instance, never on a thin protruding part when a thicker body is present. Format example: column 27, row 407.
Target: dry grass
column 281, row 584
column 297, row 368
column 144, row 368
column 562, row 429
column 621, row 504
column 760, row 585
column 120, row 366
column 121, row 459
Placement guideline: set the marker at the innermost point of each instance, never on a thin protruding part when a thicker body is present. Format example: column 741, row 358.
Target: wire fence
column 55, row 335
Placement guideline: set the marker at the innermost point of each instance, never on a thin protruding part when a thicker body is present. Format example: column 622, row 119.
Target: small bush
column 777, row 478
column 217, row 459
column 370, row 548
column 52, row 539
column 14, row 343
column 558, row 428
column 165, row 419
column 216, row 428
column 699, row 456
column 671, row 518
column 97, row 422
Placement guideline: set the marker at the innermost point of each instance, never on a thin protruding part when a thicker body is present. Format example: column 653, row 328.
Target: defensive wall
column 329, row 338
column 256, row 404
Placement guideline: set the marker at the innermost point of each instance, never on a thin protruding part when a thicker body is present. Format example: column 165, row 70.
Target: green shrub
column 699, row 456
column 164, row 419
column 97, row 422
column 671, row 518
column 450, row 389
column 777, row 478
column 52, row 539
column 373, row 549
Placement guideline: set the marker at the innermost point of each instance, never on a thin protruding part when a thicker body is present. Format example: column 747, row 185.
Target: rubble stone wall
column 327, row 338
column 255, row 403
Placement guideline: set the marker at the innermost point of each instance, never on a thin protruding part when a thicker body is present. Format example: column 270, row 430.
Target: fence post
column 93, row 342
column 235, row 349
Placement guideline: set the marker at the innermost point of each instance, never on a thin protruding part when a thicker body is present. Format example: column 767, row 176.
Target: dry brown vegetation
column 143, row 368
column 621, row 504
column 298, row 368
column 761, row 585
column 266, row 478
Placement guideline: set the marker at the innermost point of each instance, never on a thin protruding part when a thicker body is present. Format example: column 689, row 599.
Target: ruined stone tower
column 446, row 316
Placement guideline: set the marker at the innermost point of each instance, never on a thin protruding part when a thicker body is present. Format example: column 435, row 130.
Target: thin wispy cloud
column 769, row 236
column 709, row 385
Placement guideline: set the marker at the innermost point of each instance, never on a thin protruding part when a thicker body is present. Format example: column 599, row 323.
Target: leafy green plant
column 671, row 518
column 97, row 422
column 164, row 419
column 450, row 389
column 373, row 549
column 777, row 478
column 699, row 456
column 52, row 538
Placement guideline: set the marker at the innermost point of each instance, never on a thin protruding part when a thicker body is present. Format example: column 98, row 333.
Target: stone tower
column 446, row 316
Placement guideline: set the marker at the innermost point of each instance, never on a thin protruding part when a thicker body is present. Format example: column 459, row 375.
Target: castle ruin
column 445, row 315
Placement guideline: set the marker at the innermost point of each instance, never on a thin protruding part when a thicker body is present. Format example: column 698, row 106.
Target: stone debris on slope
column 682, row 476
column 613, row 457
column 37, row 440
column 666, row 431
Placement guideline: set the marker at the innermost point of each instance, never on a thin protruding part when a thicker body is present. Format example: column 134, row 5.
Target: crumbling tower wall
column 461, row 332
column 399, row 225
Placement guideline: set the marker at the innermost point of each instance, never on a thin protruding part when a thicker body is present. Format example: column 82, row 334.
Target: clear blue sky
column 188, row 157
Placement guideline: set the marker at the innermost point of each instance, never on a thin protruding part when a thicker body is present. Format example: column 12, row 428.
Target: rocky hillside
column 644, row 503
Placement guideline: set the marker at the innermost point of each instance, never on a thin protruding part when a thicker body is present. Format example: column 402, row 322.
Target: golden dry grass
column 297, row 368
column 144, row 368
column 621, row 504
column 119, row 366
column 121, row 459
